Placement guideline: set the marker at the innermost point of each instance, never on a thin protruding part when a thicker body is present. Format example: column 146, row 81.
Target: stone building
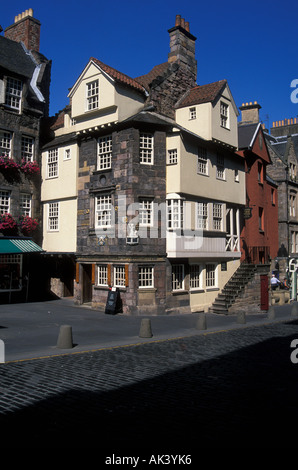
column 24, row 102
column 142, row 188
column 282, row 143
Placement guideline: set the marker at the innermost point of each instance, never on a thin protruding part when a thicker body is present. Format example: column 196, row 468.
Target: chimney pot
column 178, row 20
column 187, row 25
column 182, row 23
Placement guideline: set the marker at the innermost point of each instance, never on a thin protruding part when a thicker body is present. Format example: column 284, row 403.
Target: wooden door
column 264, row 292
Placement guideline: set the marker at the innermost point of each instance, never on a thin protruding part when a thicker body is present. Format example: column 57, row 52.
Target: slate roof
column 119, row 76
column 201, row 94
column 245, row 134
column 14, row 58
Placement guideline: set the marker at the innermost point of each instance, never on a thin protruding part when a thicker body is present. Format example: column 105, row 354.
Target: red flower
column 29, row 168
column 27, row 224
column 7, row 222
column 8, row 163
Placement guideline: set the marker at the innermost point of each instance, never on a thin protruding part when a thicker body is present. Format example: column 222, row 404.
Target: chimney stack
column 182, row 45
column 25, row 29
column 250, row 112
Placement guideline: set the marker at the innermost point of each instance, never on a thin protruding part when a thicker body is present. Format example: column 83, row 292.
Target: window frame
column 261, row 219
column 103, row 204
column 172, row 156
column 26, row 204
column 220, row 167
column 179, row 277
column 5, row 143
column 116, row 271
column 146, row 148
column 55, row 216
column 92, row 95
column 13, row 93
column 102, row 275
column 195, row 268
column 27, row 148
column 192, row 113
column 217, row 216
column 147, row 278
column 177, row 210
column 224, row 115
column 202, row 162
column 146, row 214
column 211, row 282
column 202, row 215
column 5, row 194
column 104, row 152
column 53, row 163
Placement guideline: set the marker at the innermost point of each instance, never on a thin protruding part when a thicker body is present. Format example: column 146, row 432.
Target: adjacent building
column 259, row 236
column 24, row 102
column 282, row 143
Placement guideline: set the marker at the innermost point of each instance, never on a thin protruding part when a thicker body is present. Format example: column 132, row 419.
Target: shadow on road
column 244, row 399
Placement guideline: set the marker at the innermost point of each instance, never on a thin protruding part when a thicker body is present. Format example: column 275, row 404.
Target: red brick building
column 259, row 235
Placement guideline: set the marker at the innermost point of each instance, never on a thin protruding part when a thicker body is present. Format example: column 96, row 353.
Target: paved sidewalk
column 31, row 330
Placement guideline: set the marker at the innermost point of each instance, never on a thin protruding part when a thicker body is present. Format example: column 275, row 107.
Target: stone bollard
column 241, row 318
column 271, row 313
column 201, row 322
column 294, row 310
column 65, row 337
column 145, row 329
column 281, row 298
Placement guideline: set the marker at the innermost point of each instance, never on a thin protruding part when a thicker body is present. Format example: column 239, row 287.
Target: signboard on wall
column 247, row 212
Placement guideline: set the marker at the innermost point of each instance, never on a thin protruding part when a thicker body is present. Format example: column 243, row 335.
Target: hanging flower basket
column 8, row 225
column 9, row 168
column 30, row 168
column 27, row 225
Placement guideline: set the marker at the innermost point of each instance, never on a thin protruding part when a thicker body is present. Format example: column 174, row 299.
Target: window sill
column 210, row 289
column 180, row 291
column 147, row 289
column 105, row 170
column 196, row 291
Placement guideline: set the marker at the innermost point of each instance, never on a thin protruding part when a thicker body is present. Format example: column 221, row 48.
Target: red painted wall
column 258, row 195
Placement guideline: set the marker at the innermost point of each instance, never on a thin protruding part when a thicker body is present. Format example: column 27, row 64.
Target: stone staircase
column 233, row 288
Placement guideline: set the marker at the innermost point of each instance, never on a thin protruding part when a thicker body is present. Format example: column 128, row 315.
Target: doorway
column 87, row 283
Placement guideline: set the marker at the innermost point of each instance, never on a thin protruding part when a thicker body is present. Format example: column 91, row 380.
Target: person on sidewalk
column 274, row 282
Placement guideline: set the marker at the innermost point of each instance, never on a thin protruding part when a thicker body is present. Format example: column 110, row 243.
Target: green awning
column 15, row 245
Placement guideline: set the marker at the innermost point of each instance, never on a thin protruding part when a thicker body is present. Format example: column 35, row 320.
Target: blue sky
column 254, row 44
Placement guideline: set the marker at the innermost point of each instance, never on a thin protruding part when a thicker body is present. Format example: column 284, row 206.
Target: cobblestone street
column 228, row 389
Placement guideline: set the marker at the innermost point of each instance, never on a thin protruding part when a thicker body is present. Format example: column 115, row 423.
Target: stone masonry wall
column 250, row 299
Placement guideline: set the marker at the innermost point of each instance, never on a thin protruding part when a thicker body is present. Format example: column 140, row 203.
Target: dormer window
column 192, row 113
column 224, row 115
column 13, row 93
column 92, row 95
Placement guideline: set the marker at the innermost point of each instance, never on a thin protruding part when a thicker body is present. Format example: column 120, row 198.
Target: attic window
column 224, row 115
column 192, row 113
column 92, row 95
column 13, row 93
